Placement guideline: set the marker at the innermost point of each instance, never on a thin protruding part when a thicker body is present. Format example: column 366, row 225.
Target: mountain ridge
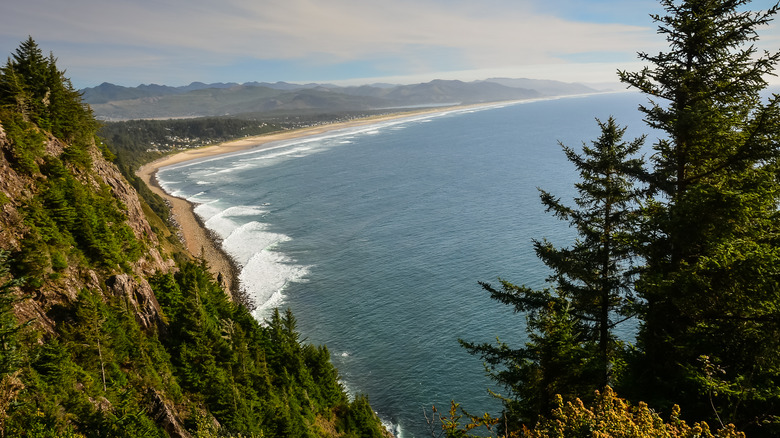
column 114, row 102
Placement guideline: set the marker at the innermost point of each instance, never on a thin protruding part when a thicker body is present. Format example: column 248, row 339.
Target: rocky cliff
column 17, row 190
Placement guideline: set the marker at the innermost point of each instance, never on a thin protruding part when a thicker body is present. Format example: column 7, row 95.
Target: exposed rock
column 140, row 297
column 12, row 187
column 153, row 262
column 166, row 415
column 10, row 387
column 32, row 310
column 61, row 287
column 101, row 404
column 54, row 146
column 127, row 195
column 92, row 281
column 109, row 174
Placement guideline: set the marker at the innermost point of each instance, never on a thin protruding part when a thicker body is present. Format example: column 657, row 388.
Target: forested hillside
column 107, row 327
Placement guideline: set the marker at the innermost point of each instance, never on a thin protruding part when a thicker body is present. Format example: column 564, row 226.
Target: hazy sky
column 175, row 42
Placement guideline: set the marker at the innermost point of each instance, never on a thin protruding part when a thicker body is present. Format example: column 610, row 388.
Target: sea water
column 376, row 238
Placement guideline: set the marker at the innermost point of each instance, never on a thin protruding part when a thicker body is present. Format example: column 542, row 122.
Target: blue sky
column 175, row 42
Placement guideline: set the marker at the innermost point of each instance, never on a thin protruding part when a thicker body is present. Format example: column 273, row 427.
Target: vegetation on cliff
column 108, row 330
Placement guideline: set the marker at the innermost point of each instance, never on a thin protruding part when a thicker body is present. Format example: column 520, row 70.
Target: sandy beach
column 199, row 241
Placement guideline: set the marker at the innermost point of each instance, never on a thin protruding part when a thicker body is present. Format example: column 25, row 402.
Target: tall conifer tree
column 572, row 346
column 711, row 286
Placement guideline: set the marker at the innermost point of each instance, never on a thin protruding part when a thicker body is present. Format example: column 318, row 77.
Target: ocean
column 375, row 237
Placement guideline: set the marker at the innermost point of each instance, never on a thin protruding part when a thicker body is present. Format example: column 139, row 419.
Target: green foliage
column 607, row 416
column 253, row 379
column 33, row 87
column 572, row 348
column 10, row 356
column 31, row 261
column 96, row 372
column 706, row 232
column 450, row 426
column 135, row 142
column 594, row 273
column 85, row 378
column 69, row 214
column 26, row 141
column 64, row 212
column 50, row 390
column 710, row 229
column 611, row 416
column 358, row 420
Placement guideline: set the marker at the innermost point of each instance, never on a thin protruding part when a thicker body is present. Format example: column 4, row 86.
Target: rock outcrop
column 165, row 414
column 139, row 296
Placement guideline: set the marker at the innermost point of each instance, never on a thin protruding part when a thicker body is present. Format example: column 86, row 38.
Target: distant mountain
column 201, row 86
column 545, row 87
column 288, row 86
column 198, row 99
column 107, row 92
column 440, row 91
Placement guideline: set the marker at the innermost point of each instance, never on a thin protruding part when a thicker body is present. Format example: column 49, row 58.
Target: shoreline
column 196, row 237
column 202, row 242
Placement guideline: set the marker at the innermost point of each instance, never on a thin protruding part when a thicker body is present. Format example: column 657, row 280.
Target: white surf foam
column 220, row 220
column 264, row 277
column 223, row 226
column 207, row 210
column 201, row 198
column 249, row 239
column 243, row 210
column 227, row 171
column 264, row 272
column 393, row 428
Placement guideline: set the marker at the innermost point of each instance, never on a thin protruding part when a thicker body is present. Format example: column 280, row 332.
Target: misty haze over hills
column 114, row 102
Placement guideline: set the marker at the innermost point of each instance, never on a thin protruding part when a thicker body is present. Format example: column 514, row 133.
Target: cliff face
column 17, row 190
column 11, row 187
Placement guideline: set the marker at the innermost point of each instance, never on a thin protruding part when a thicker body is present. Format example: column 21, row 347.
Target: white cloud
column 493, row 34
column 176, row 41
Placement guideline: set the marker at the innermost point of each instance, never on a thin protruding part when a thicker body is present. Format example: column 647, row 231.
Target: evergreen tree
column 711, row 332
column 23, row 81
column 10, row 357
column 572, row 346
column 32, row 85
column 593, row 273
